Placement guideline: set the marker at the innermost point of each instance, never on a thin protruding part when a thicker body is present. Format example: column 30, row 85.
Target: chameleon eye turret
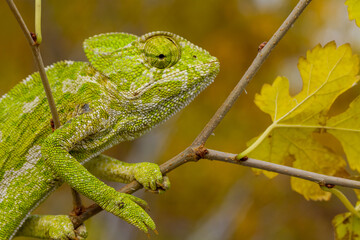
column 161, row 51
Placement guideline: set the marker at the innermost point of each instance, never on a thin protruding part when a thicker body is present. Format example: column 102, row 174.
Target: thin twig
column 78, row 207
column 290, row 171
column 250, row 73
column 189, row 154
column 38, row 61
column 35, row 47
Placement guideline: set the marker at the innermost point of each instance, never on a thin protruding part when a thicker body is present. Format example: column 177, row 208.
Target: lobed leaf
column 347, row 226
column 346, row 128
column 354, row 10
column 326, row 73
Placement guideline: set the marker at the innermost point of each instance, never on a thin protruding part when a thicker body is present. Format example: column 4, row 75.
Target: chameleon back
column 25, row 118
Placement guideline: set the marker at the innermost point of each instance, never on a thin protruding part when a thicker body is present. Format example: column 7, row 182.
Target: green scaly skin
column 130, row 85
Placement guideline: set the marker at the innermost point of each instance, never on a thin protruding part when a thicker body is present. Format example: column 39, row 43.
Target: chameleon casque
column 130, row 85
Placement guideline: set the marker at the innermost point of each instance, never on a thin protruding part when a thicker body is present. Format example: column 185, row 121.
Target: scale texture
column 130, row 85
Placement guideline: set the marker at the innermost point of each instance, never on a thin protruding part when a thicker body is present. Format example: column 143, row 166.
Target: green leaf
column 347, row 226
column 326, row 73
column 354, row 10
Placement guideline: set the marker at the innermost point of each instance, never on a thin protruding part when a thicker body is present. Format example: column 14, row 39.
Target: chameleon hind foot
column 128, row 208
column 57, row 227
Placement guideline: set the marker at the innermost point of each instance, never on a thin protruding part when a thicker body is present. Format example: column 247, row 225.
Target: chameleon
column 130, row 85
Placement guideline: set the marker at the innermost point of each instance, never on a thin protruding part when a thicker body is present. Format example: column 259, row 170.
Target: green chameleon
column 130, row 85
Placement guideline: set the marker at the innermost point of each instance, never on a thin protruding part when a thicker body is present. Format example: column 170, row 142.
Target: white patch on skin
column 30, row 106
column 3, row 97
column 32, row 157
column 68, row 62
column 34, row 154
column 72, row 86
column 4, row 184
column 140, row 60
column 129, row 57
column 28, row 79
column 185, row 79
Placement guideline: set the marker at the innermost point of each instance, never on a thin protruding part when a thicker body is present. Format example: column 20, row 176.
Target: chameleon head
column 158, row 72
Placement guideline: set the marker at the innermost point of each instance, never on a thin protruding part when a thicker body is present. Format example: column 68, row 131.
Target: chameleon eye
column 161, row 51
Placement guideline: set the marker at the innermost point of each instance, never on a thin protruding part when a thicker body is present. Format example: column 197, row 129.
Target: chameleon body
column 130, row 85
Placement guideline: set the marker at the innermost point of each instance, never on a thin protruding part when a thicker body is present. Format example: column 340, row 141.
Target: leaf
column 354, row 10
column 347, row 226
column 346, row 128
column 326, row 73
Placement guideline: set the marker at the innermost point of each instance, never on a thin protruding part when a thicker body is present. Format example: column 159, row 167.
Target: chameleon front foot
column 150, row 177
column 161, row 187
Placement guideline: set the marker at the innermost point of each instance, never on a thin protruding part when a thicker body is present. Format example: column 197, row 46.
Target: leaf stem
column 257, row 142
column 276, row 125
column 343, row 199
column 38, row 21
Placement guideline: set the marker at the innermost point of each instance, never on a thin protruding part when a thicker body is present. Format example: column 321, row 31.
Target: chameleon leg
column 111, row 169
column 57, row 227
column 55, row 149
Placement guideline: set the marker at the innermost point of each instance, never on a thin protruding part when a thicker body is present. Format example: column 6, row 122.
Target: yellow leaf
column 346, row 128
column 347, row 226
column 308, row 188
column 326, row 73
column 354, row 10
column 278, row 91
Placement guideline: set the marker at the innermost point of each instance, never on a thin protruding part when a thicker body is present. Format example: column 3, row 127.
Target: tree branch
column 250, row 73
column 321, row 179
column 35, row 47
column 193, row 155
column 38, row 61
column 195, row 151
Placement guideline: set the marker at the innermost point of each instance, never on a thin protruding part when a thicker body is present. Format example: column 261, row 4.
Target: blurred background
column 208, row 200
